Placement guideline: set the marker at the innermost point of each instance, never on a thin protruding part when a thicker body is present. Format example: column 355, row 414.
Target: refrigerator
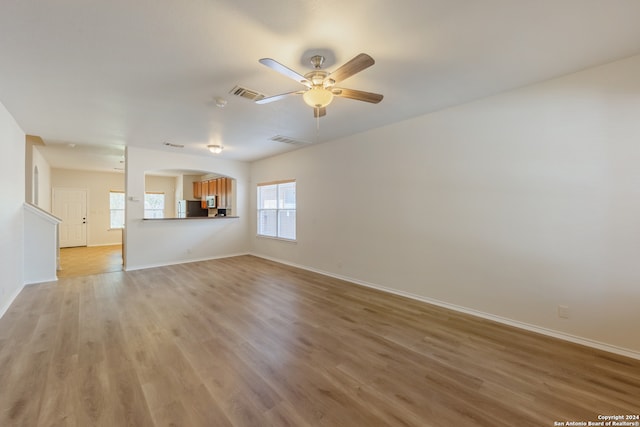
column 190, row 208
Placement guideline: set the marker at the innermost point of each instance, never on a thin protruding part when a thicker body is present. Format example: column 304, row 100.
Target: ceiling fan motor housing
column 317, row 61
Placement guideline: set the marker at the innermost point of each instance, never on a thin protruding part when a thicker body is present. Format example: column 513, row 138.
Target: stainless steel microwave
column 211, row 202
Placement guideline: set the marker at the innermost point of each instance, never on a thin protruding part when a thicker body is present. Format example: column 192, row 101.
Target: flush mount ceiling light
column 215, row 149
column 220, row 102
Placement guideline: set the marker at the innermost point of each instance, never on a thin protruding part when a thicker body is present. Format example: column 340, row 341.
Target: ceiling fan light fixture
column 317, row 97
column 215, row 149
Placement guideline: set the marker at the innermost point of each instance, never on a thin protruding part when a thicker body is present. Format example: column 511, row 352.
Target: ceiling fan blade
column 319, row 112
column 357, row 64
column 359, row 95
column 285, row 71
column 273, row 98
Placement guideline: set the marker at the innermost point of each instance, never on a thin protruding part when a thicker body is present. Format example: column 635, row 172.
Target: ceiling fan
column 320, row 84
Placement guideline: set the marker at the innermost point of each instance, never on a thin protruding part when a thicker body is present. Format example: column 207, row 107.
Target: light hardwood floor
column 247, row 342
column 89, row 260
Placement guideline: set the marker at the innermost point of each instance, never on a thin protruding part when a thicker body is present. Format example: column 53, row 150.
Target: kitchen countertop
column 190, row 218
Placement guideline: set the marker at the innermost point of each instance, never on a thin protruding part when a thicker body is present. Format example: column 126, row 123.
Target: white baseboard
column 184, row 261
column 521, row 325
column 6, row 306
column 42, row 280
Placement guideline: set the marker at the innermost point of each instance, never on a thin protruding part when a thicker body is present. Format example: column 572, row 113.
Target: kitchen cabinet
column 213, row 187
column 221, row 188
column 197, row 190
column 229, row 191
column 222, row 192
column 204, row 194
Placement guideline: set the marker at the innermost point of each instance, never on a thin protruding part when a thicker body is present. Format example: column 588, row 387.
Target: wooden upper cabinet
column 222, row 192
column 213, row 187
column 220, row 187
column 197, row 190
column 229, row 191
column 204, row 194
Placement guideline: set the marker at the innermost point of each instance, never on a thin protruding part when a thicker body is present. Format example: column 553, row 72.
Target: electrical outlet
column 563, row 311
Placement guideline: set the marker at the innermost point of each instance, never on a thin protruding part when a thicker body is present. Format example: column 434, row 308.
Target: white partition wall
column 12, row 173
column 151, row 243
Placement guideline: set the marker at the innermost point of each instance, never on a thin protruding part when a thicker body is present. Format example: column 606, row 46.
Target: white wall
column 509, row 206
column 98, row 186
column 12, row 173
column 44, row 180
column 161, row 242
column 187, row 186
column 178, row 193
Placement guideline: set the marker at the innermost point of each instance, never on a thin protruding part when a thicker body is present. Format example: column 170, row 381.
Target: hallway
column 86, row 261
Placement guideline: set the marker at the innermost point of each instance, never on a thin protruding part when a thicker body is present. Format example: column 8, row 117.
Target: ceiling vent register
column 172, row 145
column 249, row 94
column 287, row 140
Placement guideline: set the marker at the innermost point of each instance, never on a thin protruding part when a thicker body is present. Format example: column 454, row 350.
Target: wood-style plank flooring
column 89, row 260
column 247, row 342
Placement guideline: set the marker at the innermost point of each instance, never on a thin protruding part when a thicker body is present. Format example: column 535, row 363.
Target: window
column 277, row 210
column 154, row 205
column 116, row 207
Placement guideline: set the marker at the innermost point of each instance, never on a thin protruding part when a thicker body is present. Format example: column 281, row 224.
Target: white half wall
column 98, row 185
column 508, row 206
column 40, row 245
column 12, row 173
column 150, row 243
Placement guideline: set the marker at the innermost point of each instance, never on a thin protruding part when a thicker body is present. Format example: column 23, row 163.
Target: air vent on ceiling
column 287, row 140
column 171, row 144
column 243, row 92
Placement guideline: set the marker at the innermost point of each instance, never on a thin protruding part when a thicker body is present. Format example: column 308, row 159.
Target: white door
column 71, row 207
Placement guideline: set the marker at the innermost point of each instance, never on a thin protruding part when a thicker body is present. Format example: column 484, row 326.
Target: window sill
column 281, row 239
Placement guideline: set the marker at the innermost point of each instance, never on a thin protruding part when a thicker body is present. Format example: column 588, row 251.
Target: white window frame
column 164, row 199
column 278, row 210
column 111, row 209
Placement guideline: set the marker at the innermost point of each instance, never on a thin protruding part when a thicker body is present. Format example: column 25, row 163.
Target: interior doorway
column 76, row 258
column 87, row 261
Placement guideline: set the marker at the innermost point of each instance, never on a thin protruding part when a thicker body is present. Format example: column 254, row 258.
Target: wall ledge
column 42, row 213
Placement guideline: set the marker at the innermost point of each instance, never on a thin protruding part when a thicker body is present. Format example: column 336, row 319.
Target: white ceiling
column 145, row 72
